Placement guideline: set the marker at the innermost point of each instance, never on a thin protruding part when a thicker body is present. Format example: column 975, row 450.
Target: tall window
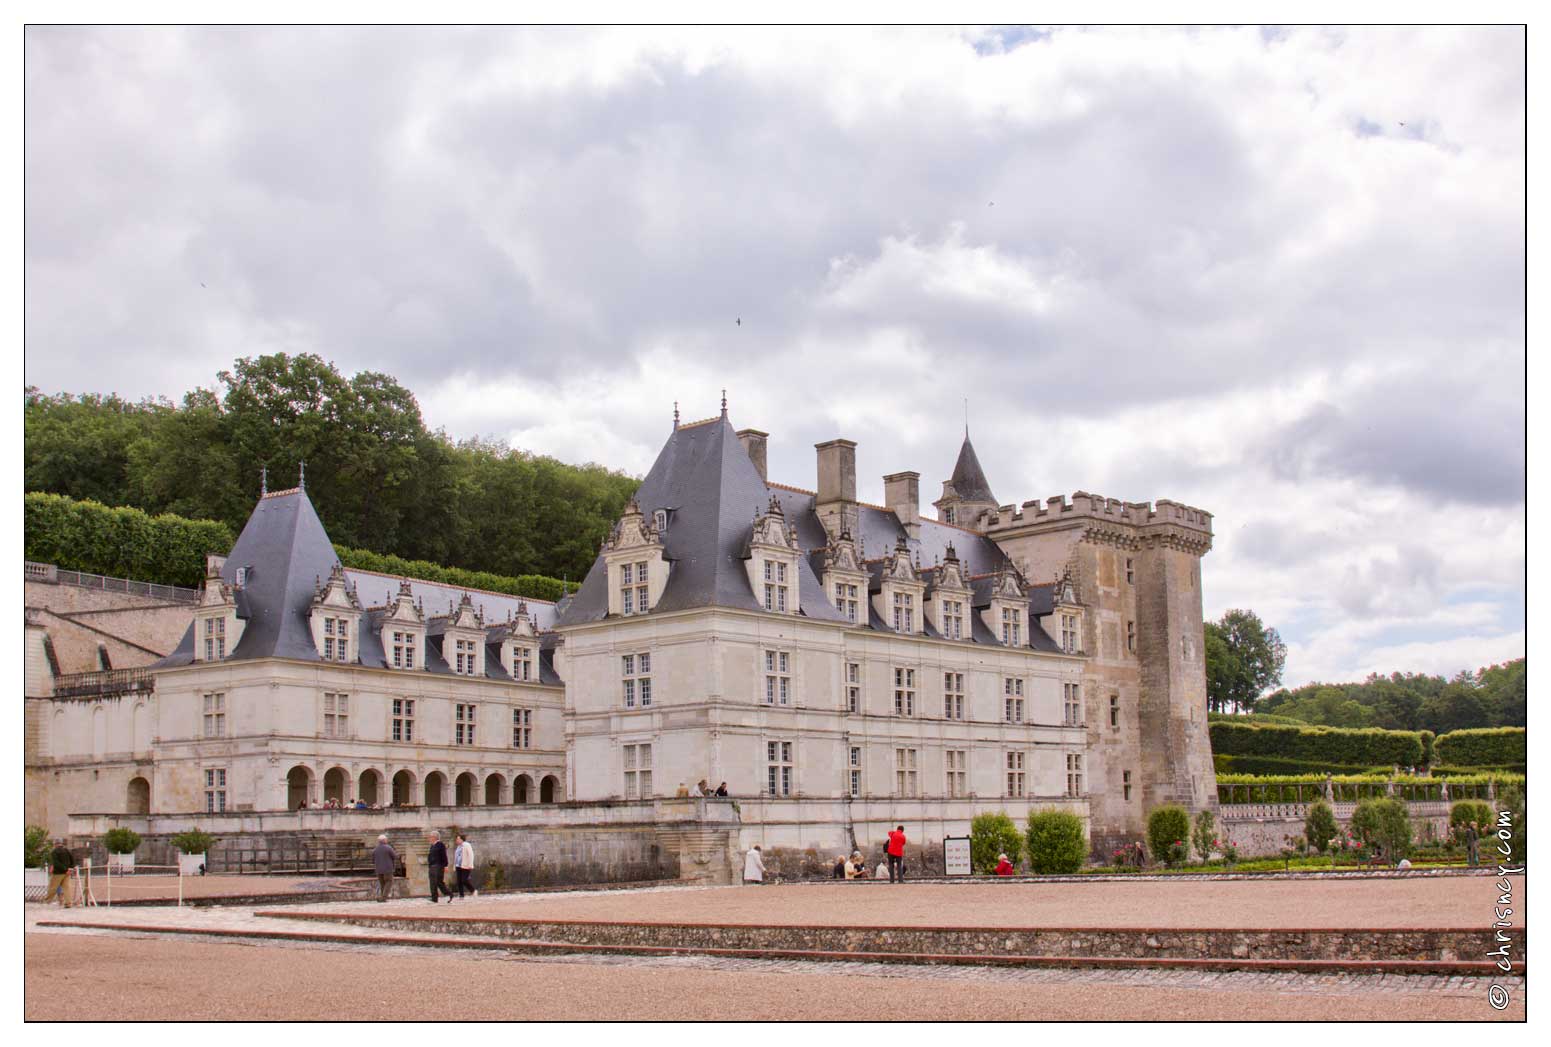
column 633, row 588
column 1131, row 636
column 638, row 771
column 336, row 715
column 778, row 768
column 215, row 638
column 775, row 585
column 845, row 599
column 1073, row 712
column 336, row 639
column 1114, row 712
column 948, row 515
column 904, row 692
column 853, row 687
column 1012, row 627
column 856, row 770
column 778, row 682
column 1069, row 633
column 953, row 619
column 403, row 720
column 1130, row 571
column 522, row 663
column 215, row 790
column 403, row 650
column 1125, row 783
column 1015, row 774
column 1074, row 774
column 464, row 666
column 636, row 669
column 522, row 728
column 953, row 696
column 641, row 601
column 904, row 613
column 958, row 774
column 463, row 725
column 1012, row 699
column 905, row 781
column 215, row 716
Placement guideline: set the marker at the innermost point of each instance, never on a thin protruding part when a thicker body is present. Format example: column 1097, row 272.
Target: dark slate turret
column 969, row 480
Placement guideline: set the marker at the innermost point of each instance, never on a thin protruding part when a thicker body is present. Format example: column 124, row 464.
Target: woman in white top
column 883, row 871
column 754, row 866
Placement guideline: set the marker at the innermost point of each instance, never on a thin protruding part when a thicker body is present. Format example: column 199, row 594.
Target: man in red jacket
column 897, row 855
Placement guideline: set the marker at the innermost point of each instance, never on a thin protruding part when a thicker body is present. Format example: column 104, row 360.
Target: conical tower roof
column 969, row 480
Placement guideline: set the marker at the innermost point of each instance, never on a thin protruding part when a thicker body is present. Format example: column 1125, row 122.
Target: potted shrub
column 121, row 845
column 193, row 849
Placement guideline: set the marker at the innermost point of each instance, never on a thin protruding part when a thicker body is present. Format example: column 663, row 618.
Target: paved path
column 142, row 887
column 110, row 977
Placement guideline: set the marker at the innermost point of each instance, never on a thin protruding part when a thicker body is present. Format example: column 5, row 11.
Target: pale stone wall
column 137, row 630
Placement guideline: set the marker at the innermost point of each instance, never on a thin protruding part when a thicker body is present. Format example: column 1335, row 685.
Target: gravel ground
column 84, row 977
column 1454, row 902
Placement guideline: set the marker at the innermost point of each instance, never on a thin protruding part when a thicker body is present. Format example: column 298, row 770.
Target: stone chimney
column 902, row 496
column 835, row 501
column 754, row 443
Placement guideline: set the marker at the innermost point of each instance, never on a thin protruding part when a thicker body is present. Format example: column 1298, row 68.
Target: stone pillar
column 419, row 876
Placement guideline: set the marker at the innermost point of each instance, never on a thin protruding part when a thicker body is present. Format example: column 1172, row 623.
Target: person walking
column 436, row 867
column 897, row 855
column 60, row 862
column 385, row 861
column 754, row 866
column 1472, row 843
column 463, row 864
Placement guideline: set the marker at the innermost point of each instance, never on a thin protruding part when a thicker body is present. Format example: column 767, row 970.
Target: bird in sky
column 739, row 321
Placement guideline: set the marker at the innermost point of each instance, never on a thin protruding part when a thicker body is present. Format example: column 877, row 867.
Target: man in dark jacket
column 60, row 861
column 385, row 862
column 436, row 865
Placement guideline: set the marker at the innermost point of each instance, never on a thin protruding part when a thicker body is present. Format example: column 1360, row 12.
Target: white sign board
column 955, row 856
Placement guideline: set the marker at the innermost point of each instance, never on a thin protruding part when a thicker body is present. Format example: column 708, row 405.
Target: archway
column 334, row 785
column 463, row 789
column 298, row 782
column 404, row 789
column 549, row 789
column 495, row 788
column 366, row 788
column 435, row 784
column 522, row 789
column 138, row 800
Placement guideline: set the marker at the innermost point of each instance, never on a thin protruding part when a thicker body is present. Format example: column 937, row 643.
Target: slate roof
column 969, row 480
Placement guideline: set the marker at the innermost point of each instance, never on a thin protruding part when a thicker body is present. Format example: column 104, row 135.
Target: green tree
column 1243, row 659
column 1319, row 825
column 990, row 834
column 1168, row 833
column 37, row 846
column 1057, row 843
column 1203, row 833
column 1385, row 824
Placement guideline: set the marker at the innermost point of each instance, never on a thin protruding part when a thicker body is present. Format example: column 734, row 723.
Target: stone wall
column 1262, row 830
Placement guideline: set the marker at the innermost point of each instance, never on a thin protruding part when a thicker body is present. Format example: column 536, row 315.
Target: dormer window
column 660, row 520
column 953, row 619
column 403, row 650
column 846, row 599
column 634, row 595
column 1069, row 633
column 242, row 577
column 636, row 569
column 336, row 639
column 775, row 586
column 215, row 638
column 463, row 657
column 904, row 613
column 1012, row 627
column 522, row 663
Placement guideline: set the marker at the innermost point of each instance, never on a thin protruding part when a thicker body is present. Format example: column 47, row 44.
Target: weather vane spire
column 724, row 401
column 263, row 480
column 301, row 477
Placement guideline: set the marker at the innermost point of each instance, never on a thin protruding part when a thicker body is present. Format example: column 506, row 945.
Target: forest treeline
column 1495, row 696
column 380, row 480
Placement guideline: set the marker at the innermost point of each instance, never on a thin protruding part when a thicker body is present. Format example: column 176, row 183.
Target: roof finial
column 301, row 478
column 724, row 403
column 966, row 418
column 675, row 414
column 263, row 480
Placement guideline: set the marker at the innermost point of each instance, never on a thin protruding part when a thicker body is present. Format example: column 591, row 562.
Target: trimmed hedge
column 1167, row 827
column 119, row 542
column 1319, row 826
column 533, row 586
column 1057, row 843
column 1483, row 747
column 991, row 834
column 1274, row 765
column 1332, row 746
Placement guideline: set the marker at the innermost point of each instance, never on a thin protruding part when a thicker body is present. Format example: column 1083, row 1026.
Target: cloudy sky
column 1275, row 274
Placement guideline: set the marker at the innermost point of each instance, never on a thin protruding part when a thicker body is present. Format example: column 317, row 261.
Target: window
column 522, row 728
column 336, row 639
column 215, row 638
column 638, row 771
column 904, row 613
column 947, row 515
column 641, row 602
column 215, row 790
column 464, row 666
column 853, row 687
column 403, row 720
column 953, row 696
column 905, row 783
column 636, row 669
column 336, row 715
column 1012, row 699
column 1012, row 627
column 403, row 650
column 633, row 588
column 522, row 663
column 1073, row 711
column 463, row 725
column 958, row 775
column 1015, row 774
column 845, row 599
column 904, row 692
column 215, row 716
column 660, row 519
column 1074, row 774
column 1130, row 571
column 953, row 619
column 1069, row 633
column 1114, row 712
column 1125, row 786
column 778, row 682
column 778, row 760
column 775, row 585
column 856, row 770
column 1131, row 636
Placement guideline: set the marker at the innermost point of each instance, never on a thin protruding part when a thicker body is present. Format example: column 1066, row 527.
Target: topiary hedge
column 121, row 542
column 1319, row 826
column 533, row 586
column 1057, row 843
column 1168, row 830
column 1482, row 747
column 1276, row 765
column 991, row 834
column 1332, row 746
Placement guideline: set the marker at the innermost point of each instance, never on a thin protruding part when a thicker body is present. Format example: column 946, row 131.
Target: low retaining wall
column 1262, row 830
